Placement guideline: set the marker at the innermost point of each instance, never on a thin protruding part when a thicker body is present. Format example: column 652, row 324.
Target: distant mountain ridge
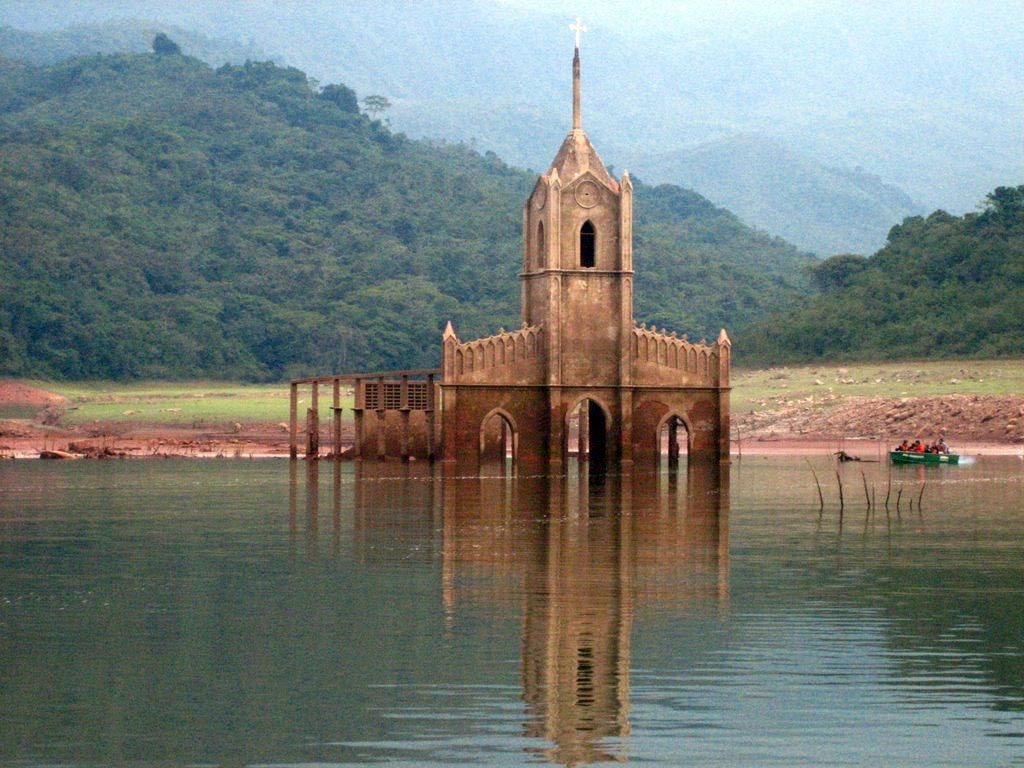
column 162, row 219
column 123, row 36
column 917, row 96
column 825, row 210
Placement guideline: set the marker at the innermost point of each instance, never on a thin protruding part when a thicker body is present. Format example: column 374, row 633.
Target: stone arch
column 588, row 244
column 498, row 438
column 594, row 430
column 540, row 245
column 665, row 432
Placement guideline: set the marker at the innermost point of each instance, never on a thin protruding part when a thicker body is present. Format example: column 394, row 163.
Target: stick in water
column 821, row 496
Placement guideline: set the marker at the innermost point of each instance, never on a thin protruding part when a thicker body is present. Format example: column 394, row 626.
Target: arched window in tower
column 540, row 244
column 588, row 244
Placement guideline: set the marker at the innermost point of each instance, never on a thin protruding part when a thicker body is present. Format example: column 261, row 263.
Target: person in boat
column 904, row 446
column 941, row 446
column 918, row 447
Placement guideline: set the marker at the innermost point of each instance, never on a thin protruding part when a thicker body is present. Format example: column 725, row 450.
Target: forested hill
column 943, row 286
column 159, row 218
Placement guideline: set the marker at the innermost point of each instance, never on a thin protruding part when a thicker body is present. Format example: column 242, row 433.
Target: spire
column 577, row 155
column 576, row 124
column 577, row 28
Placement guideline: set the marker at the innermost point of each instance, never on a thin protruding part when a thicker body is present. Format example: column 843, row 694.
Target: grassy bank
column 184, row 403
column 203, row 402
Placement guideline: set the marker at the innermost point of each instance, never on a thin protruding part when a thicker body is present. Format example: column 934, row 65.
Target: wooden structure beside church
column 579, row 374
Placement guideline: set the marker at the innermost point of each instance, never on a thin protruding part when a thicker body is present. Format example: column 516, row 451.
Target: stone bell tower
column 580, row 376
column 577, row 279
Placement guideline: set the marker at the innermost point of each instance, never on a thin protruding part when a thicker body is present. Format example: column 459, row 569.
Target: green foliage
column 344, row 98
column 375, row 104
column 837, row 271
column 161, row 219
column 164, row 46
column 699, row 269
column 943, row 286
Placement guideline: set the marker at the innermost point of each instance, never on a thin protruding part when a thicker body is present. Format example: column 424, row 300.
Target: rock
column 55, row 454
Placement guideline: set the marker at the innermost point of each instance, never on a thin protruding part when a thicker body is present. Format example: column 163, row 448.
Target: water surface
column 264, row 612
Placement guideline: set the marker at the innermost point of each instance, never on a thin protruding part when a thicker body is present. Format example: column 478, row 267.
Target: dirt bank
column 970, row 423
column 16, row 393
column 959, row 418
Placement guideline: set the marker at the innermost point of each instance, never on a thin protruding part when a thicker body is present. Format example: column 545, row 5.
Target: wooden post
column 336, row 400
column 430, row 417
column 313, row 423
column 358, row 404
column 382, row 437
column 404, row 405
column 293, row 422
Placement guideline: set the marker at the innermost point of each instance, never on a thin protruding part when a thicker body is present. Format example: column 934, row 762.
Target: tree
column 164, row 46
column 375, row 104
column 1004, row 204
column 837, row 271
column 344, row 98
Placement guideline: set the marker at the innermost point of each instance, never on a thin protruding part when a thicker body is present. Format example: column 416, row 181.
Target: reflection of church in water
column 583, row 575
column 577, row 558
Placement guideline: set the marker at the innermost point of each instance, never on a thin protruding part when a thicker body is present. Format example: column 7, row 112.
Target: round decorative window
column 587, row 194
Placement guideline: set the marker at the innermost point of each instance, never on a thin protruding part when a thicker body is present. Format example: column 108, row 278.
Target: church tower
column 577, row 279
column 580, row 376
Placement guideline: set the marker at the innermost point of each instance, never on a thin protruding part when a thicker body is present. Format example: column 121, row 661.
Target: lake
column 264, row 612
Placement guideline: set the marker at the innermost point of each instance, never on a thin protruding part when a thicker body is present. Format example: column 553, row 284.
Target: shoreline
column 265, row 446
column 777, row 418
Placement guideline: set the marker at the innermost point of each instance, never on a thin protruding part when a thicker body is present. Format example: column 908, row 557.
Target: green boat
column 914, row 457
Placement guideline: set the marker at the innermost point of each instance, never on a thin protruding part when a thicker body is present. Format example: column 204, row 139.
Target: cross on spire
column 578, row 28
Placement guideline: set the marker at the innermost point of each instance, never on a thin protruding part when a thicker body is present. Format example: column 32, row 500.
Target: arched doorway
column 587, row 432
column 673, row 440
column 499, row 438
